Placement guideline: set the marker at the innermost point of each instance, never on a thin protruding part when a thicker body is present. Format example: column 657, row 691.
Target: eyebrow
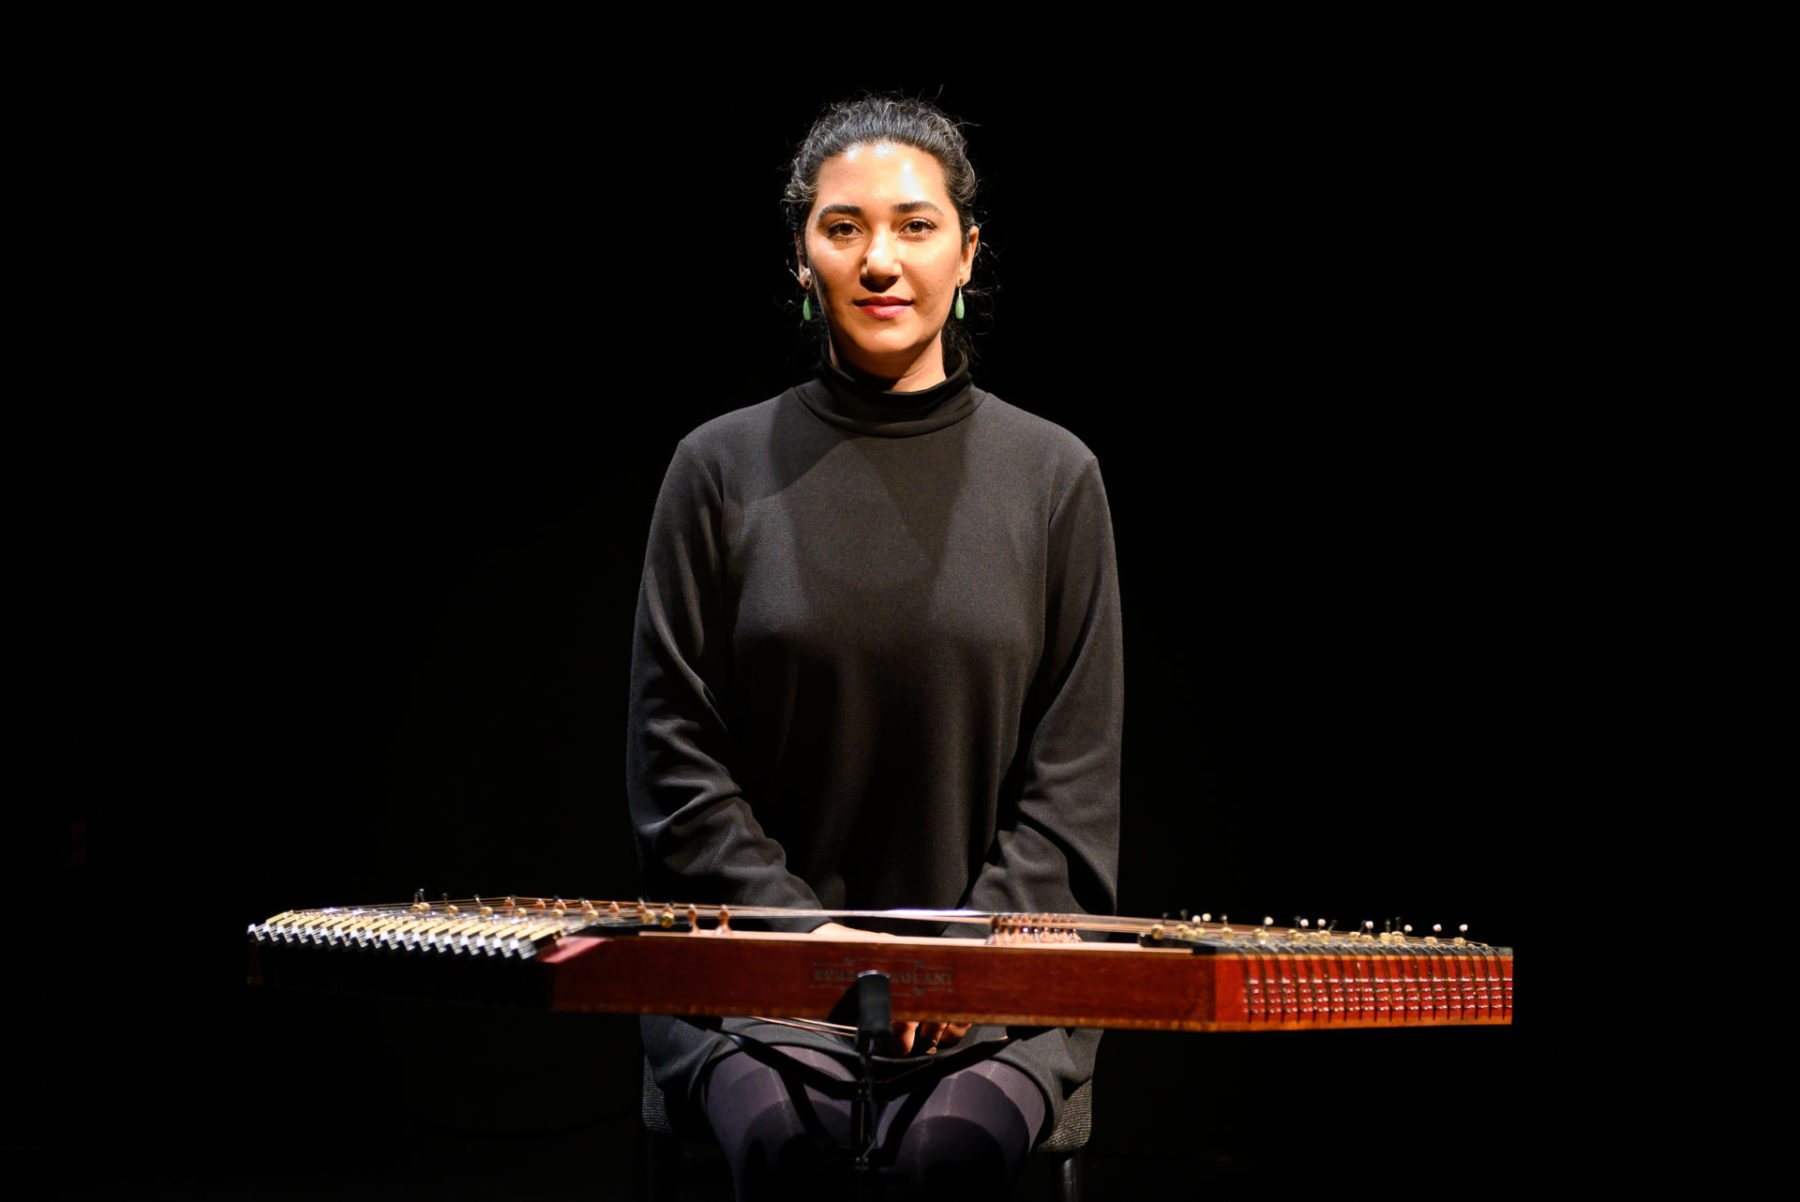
column 909, row 206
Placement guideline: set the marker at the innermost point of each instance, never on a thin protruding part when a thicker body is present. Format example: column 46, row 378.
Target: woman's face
column 884, row 253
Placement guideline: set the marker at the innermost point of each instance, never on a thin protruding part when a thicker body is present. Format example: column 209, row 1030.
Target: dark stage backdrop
column 332, row 568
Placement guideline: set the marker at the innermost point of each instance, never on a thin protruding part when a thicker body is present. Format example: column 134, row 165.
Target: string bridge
column 1011, row 929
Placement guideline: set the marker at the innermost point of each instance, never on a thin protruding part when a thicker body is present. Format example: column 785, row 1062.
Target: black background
column 369, row 350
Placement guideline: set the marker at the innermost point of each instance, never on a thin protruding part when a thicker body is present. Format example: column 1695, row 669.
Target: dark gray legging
column 963, row 1136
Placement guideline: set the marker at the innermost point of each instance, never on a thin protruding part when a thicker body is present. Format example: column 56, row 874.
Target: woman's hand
column 837, row 930
column 927, row 1037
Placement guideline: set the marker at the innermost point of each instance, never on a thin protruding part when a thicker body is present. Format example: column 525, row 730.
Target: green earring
column 958, row 309
column 806, row 308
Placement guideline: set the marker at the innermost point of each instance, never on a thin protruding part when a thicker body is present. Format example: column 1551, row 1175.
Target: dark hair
column 898, row 120
column 875, row 119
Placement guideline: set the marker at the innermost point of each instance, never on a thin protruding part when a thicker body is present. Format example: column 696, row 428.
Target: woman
column 877, row 660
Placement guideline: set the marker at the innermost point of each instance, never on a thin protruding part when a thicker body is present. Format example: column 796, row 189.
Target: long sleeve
column 1057, row 844
column 1056, row 848
column 697, row 838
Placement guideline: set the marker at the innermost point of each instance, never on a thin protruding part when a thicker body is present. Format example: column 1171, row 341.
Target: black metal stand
column 866, row 1005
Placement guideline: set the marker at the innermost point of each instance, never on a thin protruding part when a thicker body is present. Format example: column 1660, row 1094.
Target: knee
column 756, row 1117
column 951, row 1156
column 776, row 1154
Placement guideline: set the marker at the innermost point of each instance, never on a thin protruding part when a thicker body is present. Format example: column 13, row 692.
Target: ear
column 968, row 255
column 802, row 269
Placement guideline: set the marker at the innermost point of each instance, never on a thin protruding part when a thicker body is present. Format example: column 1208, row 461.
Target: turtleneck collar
column 855, row 402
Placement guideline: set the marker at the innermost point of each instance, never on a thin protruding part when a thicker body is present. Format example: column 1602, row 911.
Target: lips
column 885, row 307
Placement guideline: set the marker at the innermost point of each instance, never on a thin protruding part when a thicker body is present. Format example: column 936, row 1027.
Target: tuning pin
column 482, row 908
column 613, row 911
column 420, row 905
column 724, row 920
column 588, row 910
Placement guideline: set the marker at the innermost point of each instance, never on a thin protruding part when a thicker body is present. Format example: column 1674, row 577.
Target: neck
column 923, row 372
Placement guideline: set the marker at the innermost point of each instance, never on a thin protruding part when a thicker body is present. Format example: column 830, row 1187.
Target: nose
column 881, row 261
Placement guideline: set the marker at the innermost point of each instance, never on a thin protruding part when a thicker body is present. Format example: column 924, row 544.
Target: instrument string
column 544, row 908
column 580, row 912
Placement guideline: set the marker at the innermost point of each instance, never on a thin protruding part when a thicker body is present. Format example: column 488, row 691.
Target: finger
column 904, row 1034
column 952, row 1033
column 930, row 1034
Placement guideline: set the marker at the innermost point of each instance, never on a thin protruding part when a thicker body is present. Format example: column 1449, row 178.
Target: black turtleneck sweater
column 877, row 665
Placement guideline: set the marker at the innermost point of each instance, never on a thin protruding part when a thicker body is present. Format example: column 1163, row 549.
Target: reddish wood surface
column 1086, row 985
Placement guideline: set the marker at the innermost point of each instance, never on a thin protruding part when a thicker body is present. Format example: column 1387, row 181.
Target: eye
column 841, row 229
column 918, row 225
